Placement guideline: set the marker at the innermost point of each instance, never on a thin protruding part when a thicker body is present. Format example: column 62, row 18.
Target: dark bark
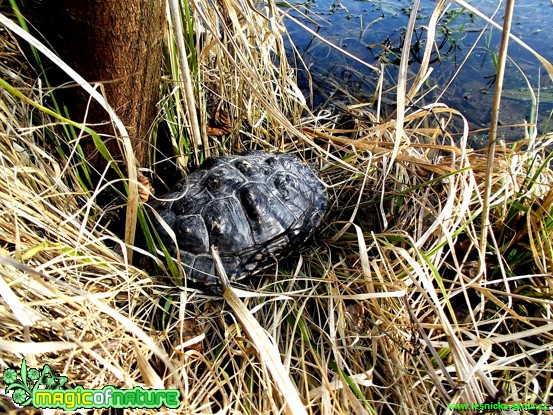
column 118, row 43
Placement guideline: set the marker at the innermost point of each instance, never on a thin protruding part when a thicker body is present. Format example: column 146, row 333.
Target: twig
column 493, row 123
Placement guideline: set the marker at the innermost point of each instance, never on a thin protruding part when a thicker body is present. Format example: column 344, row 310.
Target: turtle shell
column 251, row 207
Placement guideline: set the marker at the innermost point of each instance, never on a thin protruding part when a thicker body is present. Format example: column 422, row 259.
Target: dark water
column 373, row 32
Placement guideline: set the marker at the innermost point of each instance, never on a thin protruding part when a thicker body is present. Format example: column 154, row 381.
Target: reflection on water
column 464, row 56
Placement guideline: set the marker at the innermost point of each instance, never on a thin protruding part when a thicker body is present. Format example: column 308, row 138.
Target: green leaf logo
column 10, row 375
column 22, row 384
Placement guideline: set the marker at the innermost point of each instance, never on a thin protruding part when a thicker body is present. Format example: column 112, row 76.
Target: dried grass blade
column 20, row 311
column 402, row 83
column 509, row 8
column 185, row 70
column 423, row 73
column 268, row 353
column 151, row 378
column 36, row 348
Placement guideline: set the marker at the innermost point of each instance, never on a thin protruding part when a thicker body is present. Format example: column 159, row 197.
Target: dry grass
column 392, row 308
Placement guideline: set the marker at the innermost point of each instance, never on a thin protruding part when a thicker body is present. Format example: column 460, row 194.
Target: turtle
column 252, row 208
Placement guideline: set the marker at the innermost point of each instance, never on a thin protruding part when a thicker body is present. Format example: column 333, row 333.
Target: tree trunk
column 118, row 43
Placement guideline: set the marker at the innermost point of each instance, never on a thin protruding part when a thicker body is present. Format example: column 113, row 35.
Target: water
column 373, row 32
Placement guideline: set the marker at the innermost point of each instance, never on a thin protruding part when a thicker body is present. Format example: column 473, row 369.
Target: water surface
column 464, row 57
